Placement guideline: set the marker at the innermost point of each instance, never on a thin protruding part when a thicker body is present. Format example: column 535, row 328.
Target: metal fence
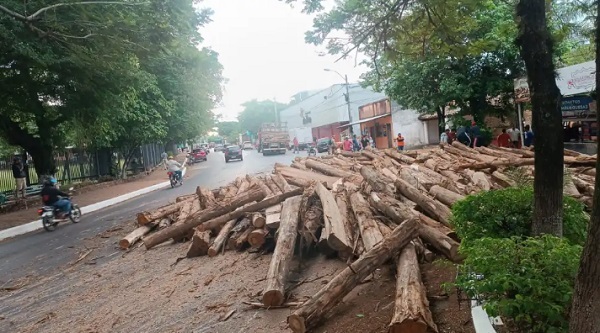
column 75, row 165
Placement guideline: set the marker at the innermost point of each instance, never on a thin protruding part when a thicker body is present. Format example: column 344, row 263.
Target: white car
column 247, row 145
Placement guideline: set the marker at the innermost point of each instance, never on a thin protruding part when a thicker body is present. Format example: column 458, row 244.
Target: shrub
column 509, row 212
column 529, row 281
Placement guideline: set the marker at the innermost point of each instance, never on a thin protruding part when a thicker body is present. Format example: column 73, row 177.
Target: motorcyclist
column 50, row 196
column 175, row 167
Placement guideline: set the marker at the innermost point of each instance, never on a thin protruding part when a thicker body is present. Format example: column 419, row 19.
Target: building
column 326, row 111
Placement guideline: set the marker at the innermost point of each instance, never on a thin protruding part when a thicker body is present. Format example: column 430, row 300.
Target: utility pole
column 276, row 112
column 346, row 96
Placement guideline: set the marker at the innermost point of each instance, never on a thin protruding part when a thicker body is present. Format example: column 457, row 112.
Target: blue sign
column 576, row 107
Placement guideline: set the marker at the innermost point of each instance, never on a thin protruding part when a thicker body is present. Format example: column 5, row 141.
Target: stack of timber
column 366, row 208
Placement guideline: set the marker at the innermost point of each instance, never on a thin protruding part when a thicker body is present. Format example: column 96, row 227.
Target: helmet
column 50, row 181
column 170, row 157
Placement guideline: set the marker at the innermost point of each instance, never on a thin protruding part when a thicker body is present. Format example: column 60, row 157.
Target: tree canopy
column 257, row 112
column 103, row 74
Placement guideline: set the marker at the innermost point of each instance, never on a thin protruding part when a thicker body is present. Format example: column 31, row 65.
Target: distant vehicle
column 219, row 147
column 233, row 153
column 247, row 145
column 304, row 136
column 323, row 145
column 198, row 155
column 273, row 139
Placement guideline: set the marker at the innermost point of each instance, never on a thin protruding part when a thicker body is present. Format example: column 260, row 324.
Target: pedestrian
column 452, row 136
column 365, row 141
column 514, row 136
column 18, row 169
column 330, row 146
column 355, row 145
column 463, row 136
column 504, row 139
column 371, row 142
column 400, row 141
column 295, row 145
column 347, row 144
column 164, row 159
column 528, row 136
column 444, row 136
column 475, row 134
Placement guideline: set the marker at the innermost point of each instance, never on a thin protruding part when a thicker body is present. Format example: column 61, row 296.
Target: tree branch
column 34, row 16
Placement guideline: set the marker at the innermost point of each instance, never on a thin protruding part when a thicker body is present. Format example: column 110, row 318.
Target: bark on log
column 422, row 252
column 258, row 220
column 271, row 184
column 402, row 158
column 184, row 213
column 377, row 181
column 244, row 186
column 261, row 185
column 291, row 174
column 431, row 206
column 496, row 164
column 136, row 235
column 237, row 233
column 570, row 189
column 199, row 244
column 200, row 217
column 281, row 183
column 299, row 166
column 284, row 253
column 583, row 186
column 309, row 314
column 255, row 207
column 502, row 179
column 469, row 153
column 334, row 229
column 367, row 225
column 221, row 238
column 442, row 243
column 185, row 197
column 417, row 179
column 205, row 197
column 273, row 217
column 147, row 217
column 479, row 179
column 349, row 222
column 257, row 237
column 445, row 196
column 438, row 226
column 311, row 212
column 411, row 309
column 327, row 169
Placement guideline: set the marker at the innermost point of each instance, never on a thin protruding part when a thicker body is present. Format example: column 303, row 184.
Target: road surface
column 41, row 253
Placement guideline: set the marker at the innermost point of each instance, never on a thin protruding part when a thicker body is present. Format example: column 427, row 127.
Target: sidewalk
column 87, row 197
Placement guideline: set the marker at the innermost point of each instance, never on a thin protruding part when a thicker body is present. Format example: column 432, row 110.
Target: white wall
column 407, row 122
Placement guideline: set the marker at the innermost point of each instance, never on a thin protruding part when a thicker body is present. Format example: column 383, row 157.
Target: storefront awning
column 364, row 120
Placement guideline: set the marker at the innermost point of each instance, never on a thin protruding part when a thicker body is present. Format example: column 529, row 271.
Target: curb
column 37, row 224
column 482, row 322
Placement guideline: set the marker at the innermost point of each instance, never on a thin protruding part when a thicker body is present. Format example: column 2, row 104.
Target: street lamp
column 346, row 95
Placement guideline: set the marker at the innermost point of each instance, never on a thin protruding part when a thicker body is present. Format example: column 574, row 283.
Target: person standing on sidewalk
column 18, row 169
column 400, row 141
column 164, row 159
column 296, row 145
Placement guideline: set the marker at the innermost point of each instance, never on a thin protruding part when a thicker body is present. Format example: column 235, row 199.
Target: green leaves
column 257, row 112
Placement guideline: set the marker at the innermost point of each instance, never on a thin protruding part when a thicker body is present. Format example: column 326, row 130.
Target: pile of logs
column 366, row 208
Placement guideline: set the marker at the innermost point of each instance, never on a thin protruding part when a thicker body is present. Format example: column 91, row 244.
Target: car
column 233, row 153
column 323, row 145
column 198, row 155
column 219, row 147
column 247, row 145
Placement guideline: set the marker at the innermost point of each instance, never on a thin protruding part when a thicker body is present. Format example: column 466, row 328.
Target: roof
column 434, row 116
column 365, row 120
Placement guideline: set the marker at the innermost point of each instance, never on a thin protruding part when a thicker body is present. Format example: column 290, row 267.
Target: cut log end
column 124, row 244
column 142, row 219
column 296, row 323
column 409, row 325
column 273, row 298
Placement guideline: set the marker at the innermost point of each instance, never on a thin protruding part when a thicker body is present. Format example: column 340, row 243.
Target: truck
column 304, row 136
column 273, row 138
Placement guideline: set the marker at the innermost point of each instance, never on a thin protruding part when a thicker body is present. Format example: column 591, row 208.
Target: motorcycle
column 51, row 215
column 175, row 179
column 312, row 150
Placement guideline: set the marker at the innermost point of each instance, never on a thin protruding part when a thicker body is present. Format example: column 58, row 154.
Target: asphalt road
column 41, row 253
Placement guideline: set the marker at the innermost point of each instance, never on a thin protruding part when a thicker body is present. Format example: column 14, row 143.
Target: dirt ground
column 108, row 290
column 85, row 196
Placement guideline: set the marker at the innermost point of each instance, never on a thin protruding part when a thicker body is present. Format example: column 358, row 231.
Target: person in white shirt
column 514, row 136
column 175, row 167
column 444, row 136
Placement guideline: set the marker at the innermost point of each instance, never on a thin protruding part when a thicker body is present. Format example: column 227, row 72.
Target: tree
column 230, row 130
column 585, row 307
column 257, row 112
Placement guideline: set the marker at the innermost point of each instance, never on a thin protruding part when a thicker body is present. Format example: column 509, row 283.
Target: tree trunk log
column 261, row 185
column 271, row 184
column 273, row 217
column 367, row 225
column 186, row 197
column 255, row 207
column 309, row 314
column 445, row 196
column 328, row 169
column 237, row 232
column 258, row 220
column 496, row 164
column 202, row 216
column 199, row 244
column 185, row 211
column 444, row 244
column 502, row 179
column 281, row 183
column 305, row 176
column 422, row 252
column 221, row 238
column 147, row 217
column 377, row 181
column 402, row 158
column 284, row 253
column 136, row 235
column 438, row 226
column 334, row 229
column 257, row 237
column 432, row 207
column 311, row 212
column 411, row 309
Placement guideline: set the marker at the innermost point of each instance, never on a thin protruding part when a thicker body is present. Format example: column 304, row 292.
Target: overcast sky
column 262, row 49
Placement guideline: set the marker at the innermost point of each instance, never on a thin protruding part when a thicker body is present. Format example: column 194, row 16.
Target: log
column 281, row 183
column 271, row 184
column 377, row 181
column 583, row 186
column 341, row 201
column 442, row 243
column 221, row 238
column 257, row 237
column 200, row 217
column 185, row 211
column 367, row 225
column 431, row 206
column 272, row 216
column 261, row 185
column 206, row 197
column 402, row 158
column 570, row 188
column 416, row 178
column 147, row 217
column 309, row 314
column 496, row 164
column 258, row 220
column 328, row 169
column 299, row 166
column 306, row 176
column 445, row 196
column 199, row 244
column 281, row 261
column 479, row 179
column 136, row 235
column 334, row 229
column 424, row 219
column 311, row 212
column 244, row 186
column 502, row 179
column 166, row 222
column 218, row 222
column 237, row 233
column 185, row 197
column 411, row 308
column 422, row 252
